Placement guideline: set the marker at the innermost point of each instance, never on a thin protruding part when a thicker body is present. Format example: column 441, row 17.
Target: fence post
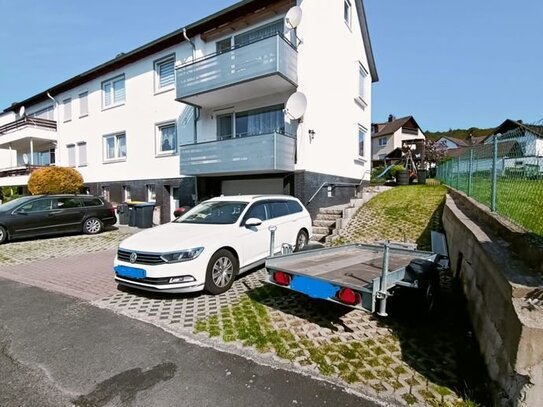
column 458, row 174
column 494, row 174
column 470, row 170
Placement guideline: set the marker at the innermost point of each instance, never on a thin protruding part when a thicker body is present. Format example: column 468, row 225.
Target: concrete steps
column 325, row 222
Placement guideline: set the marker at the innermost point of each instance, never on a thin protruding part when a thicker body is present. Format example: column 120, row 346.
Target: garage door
column 252, row 186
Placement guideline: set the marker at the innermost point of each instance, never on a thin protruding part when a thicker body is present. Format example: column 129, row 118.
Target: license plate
column 130, row 272
column 313, row 288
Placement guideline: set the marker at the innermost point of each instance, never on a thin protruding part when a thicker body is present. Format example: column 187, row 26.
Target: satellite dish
column 293, row 17
column 22, row 111
column 296, row 106
column 25, row 158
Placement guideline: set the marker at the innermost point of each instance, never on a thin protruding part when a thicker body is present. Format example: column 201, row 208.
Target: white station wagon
column 212, row 243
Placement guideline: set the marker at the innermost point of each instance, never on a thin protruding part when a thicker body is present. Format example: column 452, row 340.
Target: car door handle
column 54, row 213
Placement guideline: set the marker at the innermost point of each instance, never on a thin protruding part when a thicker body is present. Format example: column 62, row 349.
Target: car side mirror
column 252, row 222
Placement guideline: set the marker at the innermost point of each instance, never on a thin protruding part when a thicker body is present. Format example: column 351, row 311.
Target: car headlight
column 183, row 255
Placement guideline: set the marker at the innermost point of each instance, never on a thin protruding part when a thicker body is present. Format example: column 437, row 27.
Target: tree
column 434, row 152
column 55, row 180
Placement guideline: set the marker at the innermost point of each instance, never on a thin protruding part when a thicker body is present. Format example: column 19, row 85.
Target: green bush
column 395, row 169
column 8, row 194
column 55, row 180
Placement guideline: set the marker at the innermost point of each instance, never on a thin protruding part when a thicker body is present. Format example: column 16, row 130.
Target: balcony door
column 253, row 122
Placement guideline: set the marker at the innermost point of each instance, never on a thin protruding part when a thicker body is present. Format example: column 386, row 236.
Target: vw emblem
column 133, row 257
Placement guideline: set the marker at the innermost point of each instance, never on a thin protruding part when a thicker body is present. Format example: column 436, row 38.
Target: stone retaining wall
column 498, row 282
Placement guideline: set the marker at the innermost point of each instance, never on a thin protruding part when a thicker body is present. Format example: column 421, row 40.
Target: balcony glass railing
column 267, row 56
column 273, row 152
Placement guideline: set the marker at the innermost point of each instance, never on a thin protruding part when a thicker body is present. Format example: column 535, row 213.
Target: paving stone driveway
column 400, row 358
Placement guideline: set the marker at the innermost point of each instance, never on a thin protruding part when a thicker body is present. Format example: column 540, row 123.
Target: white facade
column 383, row 144
column 338, row 109
column 449, row 144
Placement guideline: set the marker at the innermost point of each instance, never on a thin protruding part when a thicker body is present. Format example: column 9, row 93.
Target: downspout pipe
column 196, row 109
column 57, row 117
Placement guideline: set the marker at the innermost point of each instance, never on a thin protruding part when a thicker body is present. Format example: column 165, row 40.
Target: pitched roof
column 393, row 126
column 206, row 24
column 509, row 125
column 458, row 141
column 510, row 148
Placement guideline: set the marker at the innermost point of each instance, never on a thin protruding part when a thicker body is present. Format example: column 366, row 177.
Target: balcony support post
column 31, row 151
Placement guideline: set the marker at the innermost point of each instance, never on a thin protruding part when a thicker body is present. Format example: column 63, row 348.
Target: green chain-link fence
column 505, row 173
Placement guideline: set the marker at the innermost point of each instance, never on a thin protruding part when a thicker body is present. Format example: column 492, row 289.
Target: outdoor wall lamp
column 311, row 134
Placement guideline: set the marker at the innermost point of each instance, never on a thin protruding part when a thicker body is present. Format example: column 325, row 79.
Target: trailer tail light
column 282, row 278
column 348, row 296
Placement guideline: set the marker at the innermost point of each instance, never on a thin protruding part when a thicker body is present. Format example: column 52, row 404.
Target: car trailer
column 360, row 276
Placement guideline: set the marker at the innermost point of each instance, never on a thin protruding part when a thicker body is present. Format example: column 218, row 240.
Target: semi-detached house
column 201, row 112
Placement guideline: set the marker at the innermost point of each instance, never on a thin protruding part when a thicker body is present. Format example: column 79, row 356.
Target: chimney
column 391, row 118
column 520, row 121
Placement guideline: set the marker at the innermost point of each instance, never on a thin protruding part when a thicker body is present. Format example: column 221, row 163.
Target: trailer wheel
column 430, row 295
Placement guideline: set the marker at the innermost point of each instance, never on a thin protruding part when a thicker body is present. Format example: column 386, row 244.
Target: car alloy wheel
column 223, row 271
column 301, row 241
column 93, row 226
column 3, row 235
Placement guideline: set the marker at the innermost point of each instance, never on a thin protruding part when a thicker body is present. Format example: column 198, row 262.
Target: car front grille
column 142, row 258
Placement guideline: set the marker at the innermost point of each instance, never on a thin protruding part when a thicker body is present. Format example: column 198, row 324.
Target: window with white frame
column 82, row 154
column 151, row 193
column 382, row 141
column 165, row 74
column 126, row 193
column 347, row 12
column 71, row 155
column 362, row 131
column 83, row 104
column 113, row 92
column 166, row 135
column 115, row 147
column 362, row 83
column 46, row 113
column 67, row 108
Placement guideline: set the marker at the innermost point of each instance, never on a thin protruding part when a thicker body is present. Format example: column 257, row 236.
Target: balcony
column 261, row 68
column 264, row 153
column 18, row 134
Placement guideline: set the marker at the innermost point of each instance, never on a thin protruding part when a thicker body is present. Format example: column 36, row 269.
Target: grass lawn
column 406, row 213
column 516, row 199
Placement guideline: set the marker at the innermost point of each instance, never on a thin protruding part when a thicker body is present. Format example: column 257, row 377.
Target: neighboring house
column 529, row 137
column 393, row 134
column 452, row 143
column 201, row 111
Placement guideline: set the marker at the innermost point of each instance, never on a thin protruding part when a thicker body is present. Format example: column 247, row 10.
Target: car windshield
column 8, row 206
column 214, row 213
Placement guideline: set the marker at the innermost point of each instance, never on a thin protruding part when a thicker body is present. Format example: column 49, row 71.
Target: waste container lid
column 144, row 204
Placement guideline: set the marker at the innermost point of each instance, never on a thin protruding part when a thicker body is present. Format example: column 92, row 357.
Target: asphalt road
column 59, row 351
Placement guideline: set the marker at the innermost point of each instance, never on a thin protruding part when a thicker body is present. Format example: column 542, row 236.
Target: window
column 71, row 155
column 165, row 74
column 362, row 79
column 83, row 104
column 126, row 193
column 251, row 123
column 347, row 13
column 115, row 147
column 383, row 141
column 92, row 202
column 47, row 113
column 268, row 30
column 361, row 136
column 258, row 210
column 279, row 209
column 105, row 193
column 82, row 153
column 67, row 107
column 224, row 45
column 37, row 205
column 151, row 193
column 66, row 203
column 166, row 138
column 294, row 207
column 113, row 93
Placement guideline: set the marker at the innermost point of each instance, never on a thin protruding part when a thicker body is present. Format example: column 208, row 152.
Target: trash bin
column 144, row 214
column 402, row 177
column 131, row 214
column 122, row 210
column 421, row 176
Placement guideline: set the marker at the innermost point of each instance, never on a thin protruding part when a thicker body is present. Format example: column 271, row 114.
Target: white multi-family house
column 246, row 100
column 393, row 134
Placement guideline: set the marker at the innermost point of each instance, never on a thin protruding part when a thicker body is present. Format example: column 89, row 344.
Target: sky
column 450, row 64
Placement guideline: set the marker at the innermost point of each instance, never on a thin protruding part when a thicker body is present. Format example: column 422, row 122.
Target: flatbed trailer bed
column 361, row 276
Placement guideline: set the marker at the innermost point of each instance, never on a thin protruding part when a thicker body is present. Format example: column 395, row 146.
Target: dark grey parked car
column 39, row 215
